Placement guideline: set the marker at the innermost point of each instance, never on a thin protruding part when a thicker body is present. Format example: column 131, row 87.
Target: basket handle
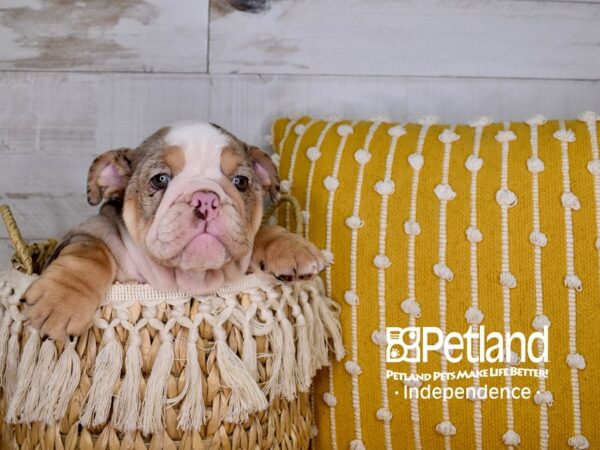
column 21, row 247
column 296, row 208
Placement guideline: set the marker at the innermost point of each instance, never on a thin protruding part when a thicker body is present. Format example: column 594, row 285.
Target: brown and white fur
column 182, row 211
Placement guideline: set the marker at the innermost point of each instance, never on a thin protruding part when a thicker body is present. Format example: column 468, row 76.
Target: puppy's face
column 192, row 195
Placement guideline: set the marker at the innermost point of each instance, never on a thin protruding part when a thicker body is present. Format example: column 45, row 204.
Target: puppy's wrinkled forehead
column 197, row 149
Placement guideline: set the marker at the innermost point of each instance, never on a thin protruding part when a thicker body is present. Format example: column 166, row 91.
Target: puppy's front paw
column 59, row 308
column 288, row 257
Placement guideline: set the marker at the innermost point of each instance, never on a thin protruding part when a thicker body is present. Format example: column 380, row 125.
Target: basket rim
column 123, row 292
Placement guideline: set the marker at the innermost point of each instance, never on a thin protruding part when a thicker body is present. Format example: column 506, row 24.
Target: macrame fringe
column 126, row 406
column 246, row 397
column 61, row 385
column 191, row 415
column 44, row 367
column 156, row 388
column 106, row 372
column 298, row 323
column 24, row 376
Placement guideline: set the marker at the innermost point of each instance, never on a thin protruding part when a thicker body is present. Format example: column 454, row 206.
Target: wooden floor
column 81, row 78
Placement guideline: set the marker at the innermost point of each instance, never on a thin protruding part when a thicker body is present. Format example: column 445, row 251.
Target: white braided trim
column 300, row 339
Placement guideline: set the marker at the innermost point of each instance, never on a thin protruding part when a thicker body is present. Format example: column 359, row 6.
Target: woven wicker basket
column 164, row 370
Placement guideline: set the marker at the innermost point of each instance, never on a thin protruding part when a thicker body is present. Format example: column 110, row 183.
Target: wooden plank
column 525, row 39
column 125, row 35
column 52, row 125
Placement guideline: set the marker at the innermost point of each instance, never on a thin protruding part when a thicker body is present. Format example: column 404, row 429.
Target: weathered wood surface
column 525, row 39
column 123, row 35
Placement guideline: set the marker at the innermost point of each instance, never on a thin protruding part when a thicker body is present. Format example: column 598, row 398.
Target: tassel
column 12, row 361
column 44, row 367
column 303, row 367
column 24, row 376
column 249, row 352
column 97, row 403
column 156, row 388
column 329, row 313
column 61, row 386
column 320, row 350
column 4, row 336
column 272, row 388
column 191, row 414
column 246, row 397
column 126, row 406
column 287, row 379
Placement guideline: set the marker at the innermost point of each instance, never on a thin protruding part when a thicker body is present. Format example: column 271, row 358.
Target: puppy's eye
column 160, row 181
column 241, row 182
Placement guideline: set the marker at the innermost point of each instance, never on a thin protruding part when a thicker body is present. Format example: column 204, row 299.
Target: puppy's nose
column 207, row 204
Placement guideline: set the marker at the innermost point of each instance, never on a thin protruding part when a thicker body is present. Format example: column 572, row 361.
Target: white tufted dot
column 543, row 398
column 300, row 129
column 416, row 161
column 540, row 321
column 511, row 438
column 447, row 136
column 396, row 131
column 482, row 121
column 506, row 197
column 538, row 119
column 505, row 136
column 412, row 381
column 474, row 315
column 589, row 116
column 362, row 156
column 272, row 220
column 538, row 238
column 384, row 415
column 576, row 361
column 313, row 431
column 352, row 368
column 573, row 282
column 385, row 187
column 378, row 338
column 508, row 280
column 305, row 217
column 564, row 135
column 411, row 307
column 428, row 119
column 276, row 158
column 513, row 359
column 535, row 165
column 570, row 200
column 579, row 442
column 597, row 243
column 357, row 444
column 382, row 262
column 354, row 222
column 330, row 399
column 474, row 235
column 593, row 167
column 443, row 271
column 313, row 153
column 331, row 183
column 473, row 163
column 344, row 130
column 444, row 191
column 446, row 428
column 284, row 186
column 412, row 228
column 351, row 297
column 328, row 255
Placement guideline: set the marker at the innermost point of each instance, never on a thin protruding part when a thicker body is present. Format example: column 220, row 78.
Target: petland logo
column 413, row 344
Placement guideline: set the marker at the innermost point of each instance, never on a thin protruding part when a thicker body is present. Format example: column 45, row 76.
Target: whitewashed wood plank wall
column 78, row 78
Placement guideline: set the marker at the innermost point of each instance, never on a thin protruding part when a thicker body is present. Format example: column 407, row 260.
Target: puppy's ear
column 266, row 172
column 108, row 175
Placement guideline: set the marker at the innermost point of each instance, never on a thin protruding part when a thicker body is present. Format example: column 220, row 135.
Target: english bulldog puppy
column 181, row 211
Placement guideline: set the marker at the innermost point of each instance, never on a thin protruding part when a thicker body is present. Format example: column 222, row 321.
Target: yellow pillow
column 430, row 225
